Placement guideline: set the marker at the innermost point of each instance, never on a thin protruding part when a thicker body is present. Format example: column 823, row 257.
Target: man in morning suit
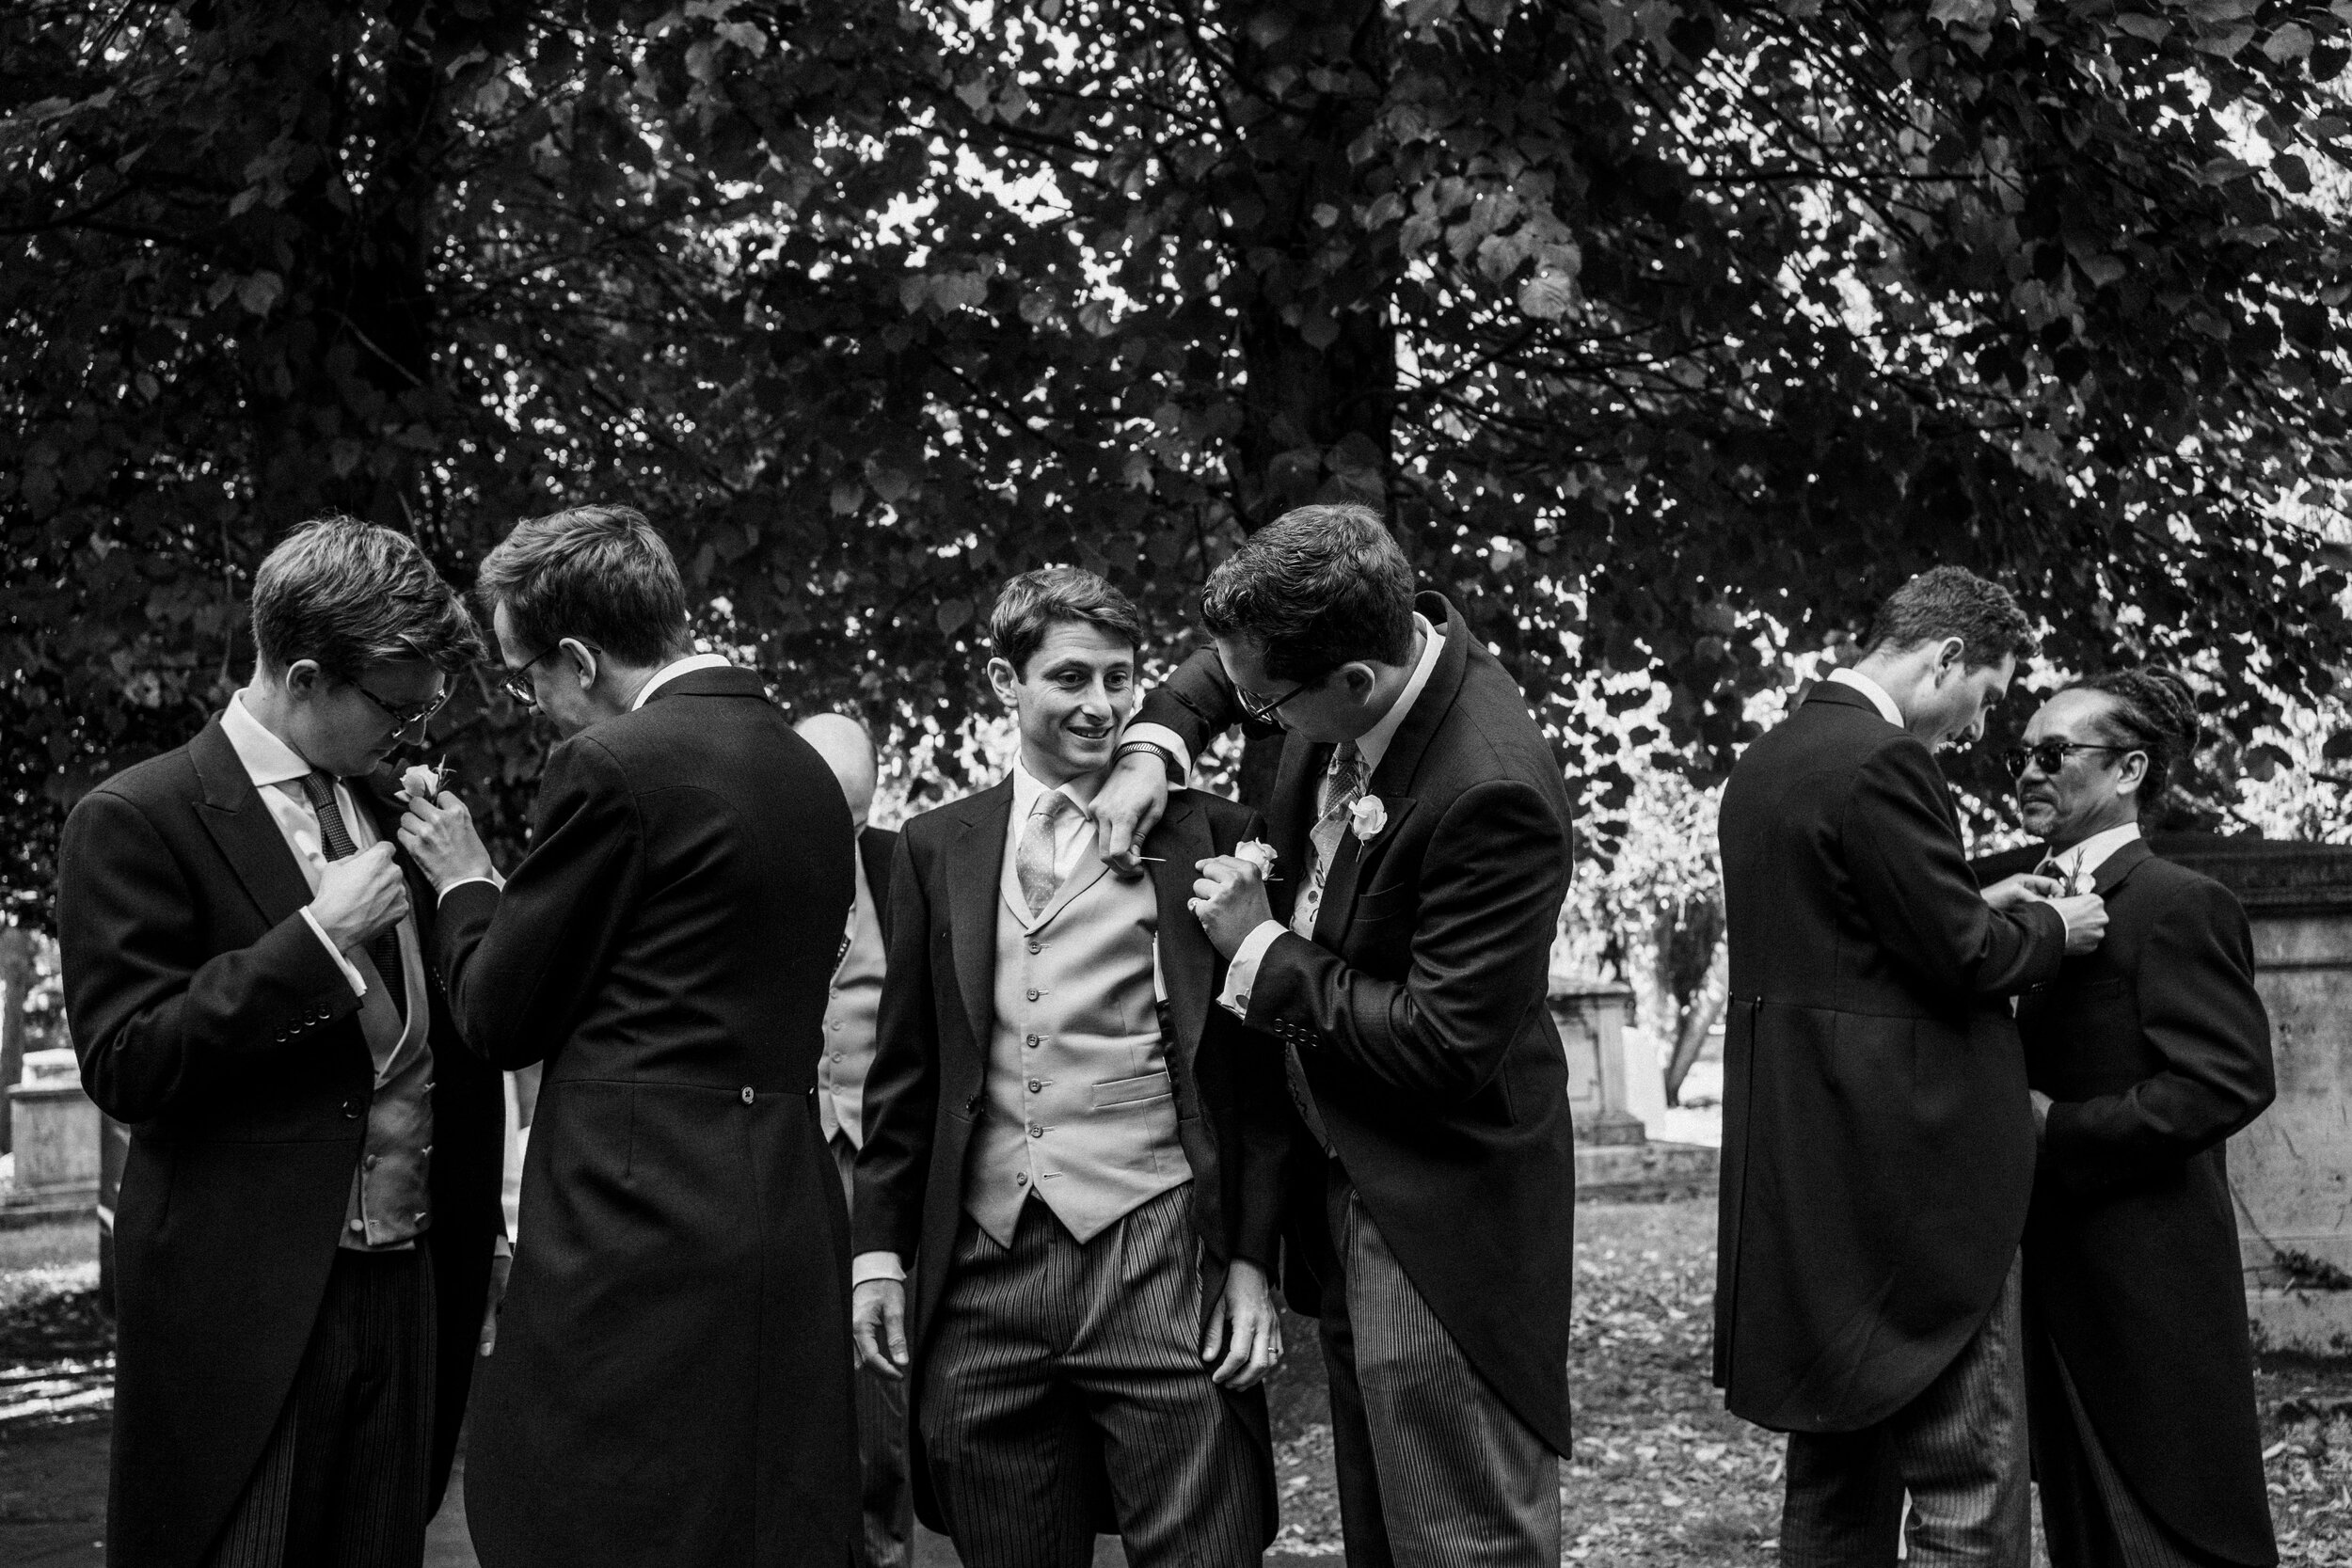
column 885, row 1503
column 672, row 1379
column 2142, row 1058
column 1398, row 974
column 309, row 1214
column 1064, row 1130
column 1878, row 1144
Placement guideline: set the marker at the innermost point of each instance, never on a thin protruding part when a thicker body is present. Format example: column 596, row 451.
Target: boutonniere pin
column 1368, row 816
column 1258, row 853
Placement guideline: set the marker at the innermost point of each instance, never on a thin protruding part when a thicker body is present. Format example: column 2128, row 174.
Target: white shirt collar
column 1028, row 787
column 1374, row 743
column 268, row 760
column 1872, row 690
column 2093, row 853
column 673, row 670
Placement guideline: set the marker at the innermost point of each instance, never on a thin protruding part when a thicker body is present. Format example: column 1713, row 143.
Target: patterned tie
column 1342, row 787
column 1034, row 862
column 384, row 950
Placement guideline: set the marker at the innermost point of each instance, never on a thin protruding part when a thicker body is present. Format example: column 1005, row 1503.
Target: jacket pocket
column 1128, row 1091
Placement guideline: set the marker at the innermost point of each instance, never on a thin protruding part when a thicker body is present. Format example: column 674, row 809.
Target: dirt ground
column 1660, row 1476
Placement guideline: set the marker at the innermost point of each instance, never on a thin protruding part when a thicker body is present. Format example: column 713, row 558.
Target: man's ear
column 304, row 678
column 1360, row 679
column 1951, row 659
column 1004, row 681
column 583, row 661
column 2128, row 777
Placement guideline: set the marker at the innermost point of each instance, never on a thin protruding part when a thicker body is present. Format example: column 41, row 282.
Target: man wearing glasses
column 672, row 1377
column 308, row 1217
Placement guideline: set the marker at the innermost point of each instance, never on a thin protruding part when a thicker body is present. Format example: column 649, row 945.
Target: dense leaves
column 1669, row 332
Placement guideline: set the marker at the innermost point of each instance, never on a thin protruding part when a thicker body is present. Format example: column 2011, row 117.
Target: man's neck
column 1387, row 689
column 2073, row 836
column 269, row 707
column 1054, row 774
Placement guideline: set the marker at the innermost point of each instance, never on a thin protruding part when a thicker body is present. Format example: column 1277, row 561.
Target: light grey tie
column 1342, row 787
column 1033, row 862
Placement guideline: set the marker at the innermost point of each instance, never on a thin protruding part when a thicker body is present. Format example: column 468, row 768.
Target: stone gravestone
column 1615, row 1156
column 2291, row 1171
column 57, row 1137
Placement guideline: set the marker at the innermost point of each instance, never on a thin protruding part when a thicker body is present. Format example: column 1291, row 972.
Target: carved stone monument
column 57, row 1137
column 1616, row 1157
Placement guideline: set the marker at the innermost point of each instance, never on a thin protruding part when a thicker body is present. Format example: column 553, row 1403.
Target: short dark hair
column 1952, row 601
column 348, row 594
column 597, row 573
column 1320, row 586
column 1030, row 603
column 2149, row 709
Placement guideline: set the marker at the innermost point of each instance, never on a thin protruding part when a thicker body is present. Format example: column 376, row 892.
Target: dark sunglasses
column 2050, row 755
column 518, row 681
column 408, row 716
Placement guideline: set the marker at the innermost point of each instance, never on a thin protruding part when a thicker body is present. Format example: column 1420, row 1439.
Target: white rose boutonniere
column 422, row 783
column 1258, row 853
column 1368, row 816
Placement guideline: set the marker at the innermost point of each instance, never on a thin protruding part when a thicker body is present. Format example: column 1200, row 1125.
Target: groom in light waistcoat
column 1061, row 1125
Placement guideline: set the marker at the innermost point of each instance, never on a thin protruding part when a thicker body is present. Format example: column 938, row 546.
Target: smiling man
column 308, row 1217
column 1061, row 1127
column 2142, row 1058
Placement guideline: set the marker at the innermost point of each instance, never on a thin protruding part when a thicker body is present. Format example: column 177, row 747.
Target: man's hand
column 500, row 1266
column 439, row 835
column 1245, row 1336
column 1128, row 808
column 361, row 897
column 877, row 1322
column 2013, row 892
column 2085, row 921
column 1228, row 900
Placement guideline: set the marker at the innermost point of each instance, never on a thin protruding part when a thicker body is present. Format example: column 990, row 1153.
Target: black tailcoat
column 1878, row 1140
column 931, row 1055
column 672, row 1379
column 2154, row 1048
column 209, row 1016
column 1420, row 1010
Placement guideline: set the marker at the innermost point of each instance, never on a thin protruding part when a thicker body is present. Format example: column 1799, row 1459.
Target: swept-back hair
column 348, row 594
column 1952, row 601
column 1033, row 601
column 2149, row 709
column 1319, row 587
column 597, row 573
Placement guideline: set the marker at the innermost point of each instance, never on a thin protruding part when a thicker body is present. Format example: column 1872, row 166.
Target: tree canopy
column 1668, row 333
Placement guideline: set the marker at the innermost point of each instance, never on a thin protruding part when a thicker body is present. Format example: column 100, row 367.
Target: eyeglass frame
column 2015, row 758
column 1262, row 710
column 518, row 681
column 403, row 720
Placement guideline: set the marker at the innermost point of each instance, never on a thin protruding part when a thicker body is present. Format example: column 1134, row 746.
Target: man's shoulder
column 157, row 782
column 928, row 829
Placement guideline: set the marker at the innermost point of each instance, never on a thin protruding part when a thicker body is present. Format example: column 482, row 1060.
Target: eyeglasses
column 406, row 717
column 2049, row 755
column 518, row 679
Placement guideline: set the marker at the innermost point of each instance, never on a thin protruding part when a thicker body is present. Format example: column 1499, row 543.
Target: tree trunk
column 1699, row 1018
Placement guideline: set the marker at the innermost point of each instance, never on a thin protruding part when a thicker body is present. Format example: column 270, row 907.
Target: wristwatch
column 1167, row 758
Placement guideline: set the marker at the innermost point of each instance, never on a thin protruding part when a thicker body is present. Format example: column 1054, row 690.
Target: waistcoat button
column 1036, row 1132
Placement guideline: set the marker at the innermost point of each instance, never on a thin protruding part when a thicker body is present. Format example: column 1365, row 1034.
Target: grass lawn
column 1660, row 1476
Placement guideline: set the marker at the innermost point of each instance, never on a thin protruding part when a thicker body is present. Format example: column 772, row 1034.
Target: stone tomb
column 1608, row 1076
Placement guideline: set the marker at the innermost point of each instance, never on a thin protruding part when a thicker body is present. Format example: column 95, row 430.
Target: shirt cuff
column 351, row 972
column 875, row 1265
column 1160, row 734
column 500, row 1246
column 493, row 878
column 1243, row 976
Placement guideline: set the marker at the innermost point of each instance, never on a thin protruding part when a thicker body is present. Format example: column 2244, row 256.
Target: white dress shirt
column 673, row 670
column 1872, row 690
column 275, row 768
column 1372, row 745
column 2078, row 865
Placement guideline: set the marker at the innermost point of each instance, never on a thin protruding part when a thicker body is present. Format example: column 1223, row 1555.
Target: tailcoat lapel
column 1187, row 961
column 973, row 861
column 233, row 812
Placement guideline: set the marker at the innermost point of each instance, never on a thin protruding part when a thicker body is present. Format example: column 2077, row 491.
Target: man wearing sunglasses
column 2143, row 1057
column 305, row 1232
column 1877, row 1149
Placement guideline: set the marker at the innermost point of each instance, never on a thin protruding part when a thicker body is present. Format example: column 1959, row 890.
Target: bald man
column 888, row 1505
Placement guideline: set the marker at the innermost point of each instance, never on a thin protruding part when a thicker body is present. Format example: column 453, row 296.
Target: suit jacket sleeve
column 156, row 1015
column 1196, row 701
column 1266, row 1126
column 520, row 963
column 1916, row 889
column 903, row 1086
column 2201, row 1013
column 1491, row 883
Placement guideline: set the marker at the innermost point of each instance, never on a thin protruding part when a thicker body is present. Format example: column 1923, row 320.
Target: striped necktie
column 383, row 950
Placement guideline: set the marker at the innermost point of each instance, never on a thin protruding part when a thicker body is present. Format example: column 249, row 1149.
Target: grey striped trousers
column 1959, row 1449
column 1435, row 1469
column 341, row 1482
column 1057, row 1369
column 2089, row 1511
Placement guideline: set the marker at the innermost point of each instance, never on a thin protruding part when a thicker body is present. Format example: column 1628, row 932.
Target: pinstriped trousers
column 341, row 1482
column 1961, row 1450
column 1435, row 1469
column 2089, row 1511
column 1055, row 1364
